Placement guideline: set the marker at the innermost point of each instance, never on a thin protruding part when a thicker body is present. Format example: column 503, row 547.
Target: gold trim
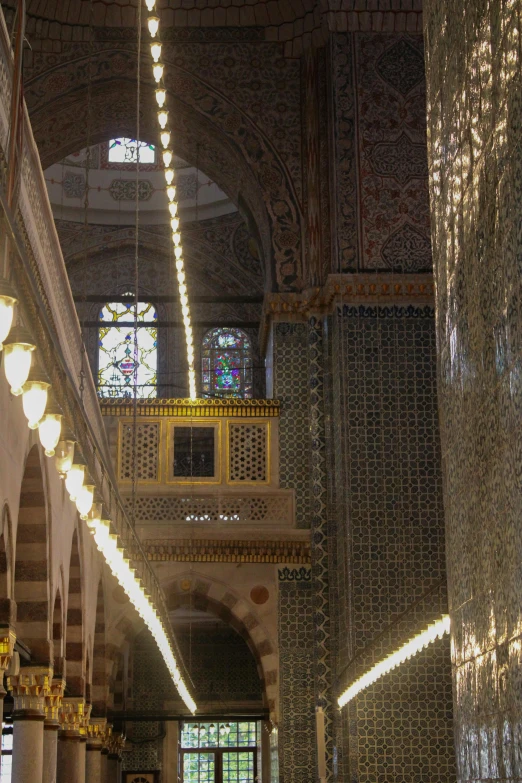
column 268, row 472
column 199, row 480
column 185, row 408
column 219, row 551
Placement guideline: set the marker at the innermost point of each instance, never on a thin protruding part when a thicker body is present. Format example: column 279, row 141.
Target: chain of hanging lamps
column 32, row 386
column 43, row 414
column 153, row 24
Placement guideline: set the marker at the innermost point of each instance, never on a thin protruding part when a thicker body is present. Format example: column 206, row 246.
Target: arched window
column 116, row 362
column 226, row 363
column 125, row 150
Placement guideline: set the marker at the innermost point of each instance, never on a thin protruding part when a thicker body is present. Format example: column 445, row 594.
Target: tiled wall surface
column 290, row 358
column 390, row 542
column 474, row 137
column 296, row 667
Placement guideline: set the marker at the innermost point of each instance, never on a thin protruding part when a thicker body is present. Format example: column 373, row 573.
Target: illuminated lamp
column 34, row 398
column 7, row 302
column 17, row 358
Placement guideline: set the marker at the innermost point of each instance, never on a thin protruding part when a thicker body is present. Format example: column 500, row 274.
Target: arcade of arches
column 349, row 208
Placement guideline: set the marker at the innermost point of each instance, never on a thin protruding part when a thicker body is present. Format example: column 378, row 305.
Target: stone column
column 7, row 641
column 116, row 744
column 53, row 704
column 29, row 688
column 93, row 761
column 71, row 749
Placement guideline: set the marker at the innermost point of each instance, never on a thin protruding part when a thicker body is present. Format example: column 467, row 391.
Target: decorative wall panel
column 228, row 510
column 296, row 637
column 392, row 156
column 147, row 444
column 290, row 356
column 248, row 453
column 390, row 541
column 474, row 75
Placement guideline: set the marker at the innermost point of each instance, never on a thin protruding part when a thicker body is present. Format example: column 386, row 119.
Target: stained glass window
column 226, row 363
column 126, row 151
column 116, row 362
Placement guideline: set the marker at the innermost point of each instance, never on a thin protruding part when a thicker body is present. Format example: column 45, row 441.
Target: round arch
column 231, row 148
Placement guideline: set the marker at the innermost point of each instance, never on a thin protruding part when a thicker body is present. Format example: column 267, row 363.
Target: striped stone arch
column 6, row 569
column 101, row 665
column 74, row 632
column 207, row 595
column 31, row 570
column 58, row 635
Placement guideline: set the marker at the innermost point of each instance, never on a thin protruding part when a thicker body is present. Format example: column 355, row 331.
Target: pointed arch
column 31, row 572
column 58, row 624
column 74, row 637
column 100, row 664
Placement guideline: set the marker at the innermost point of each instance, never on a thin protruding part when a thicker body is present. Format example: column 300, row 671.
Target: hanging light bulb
column 167, row 158
column 178, row 251
column 169, row 176
column 157, row 70
column 50, row 426
column 153, row 25
column 195, row 728
column 7, row 302
column 161, row 97
column 181, row 277
column 174, row 224
column 173, row 208
column 163, row 118
column 183, row 298
column 171, row 195
column 222, row 731
column 64, row 456
column 84, row 500
column 155, row 50
column 176, row 238
column 49, row 430
column 94, row 516
column 227, row 728
column 212, row 728
column 17, row 358
column 34, row 397
column 179, row 264
column 202, row 730
column 150, row 4
column 165, row 139
column 74, row 480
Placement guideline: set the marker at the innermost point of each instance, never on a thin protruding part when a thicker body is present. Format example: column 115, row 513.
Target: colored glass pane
column 226, row 363
column 125, row 150
column 119, row 367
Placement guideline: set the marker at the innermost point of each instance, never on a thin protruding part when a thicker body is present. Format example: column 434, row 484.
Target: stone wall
column 474, row 78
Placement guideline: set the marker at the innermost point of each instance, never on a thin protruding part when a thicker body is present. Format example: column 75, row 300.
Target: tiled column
column 29, row 690
column 474, row 72
column 53, row 703
column 319, row 538
column 93, row 760
column 71, row 748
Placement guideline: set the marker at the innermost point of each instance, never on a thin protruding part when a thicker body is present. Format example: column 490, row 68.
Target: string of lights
column 430, row 634
column 153, row 24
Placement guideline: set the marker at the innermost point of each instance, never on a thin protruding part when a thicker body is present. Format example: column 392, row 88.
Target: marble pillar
column 70, row 758
column 93, row 762
column 112, row 768
column 71, row 741
column 53, row 702
column 29, row 689
column 103, row 765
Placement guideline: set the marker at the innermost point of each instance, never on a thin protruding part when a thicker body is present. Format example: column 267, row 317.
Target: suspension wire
column 136, row 276
column 81, row 387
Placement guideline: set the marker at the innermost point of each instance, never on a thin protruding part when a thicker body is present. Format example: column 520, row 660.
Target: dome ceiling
column 112, row 189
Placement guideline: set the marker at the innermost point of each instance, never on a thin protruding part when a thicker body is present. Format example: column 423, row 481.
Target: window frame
column 208, row 352
column 155, row 324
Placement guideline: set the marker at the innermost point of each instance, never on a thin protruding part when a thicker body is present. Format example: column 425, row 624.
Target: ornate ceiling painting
column 252, row 150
